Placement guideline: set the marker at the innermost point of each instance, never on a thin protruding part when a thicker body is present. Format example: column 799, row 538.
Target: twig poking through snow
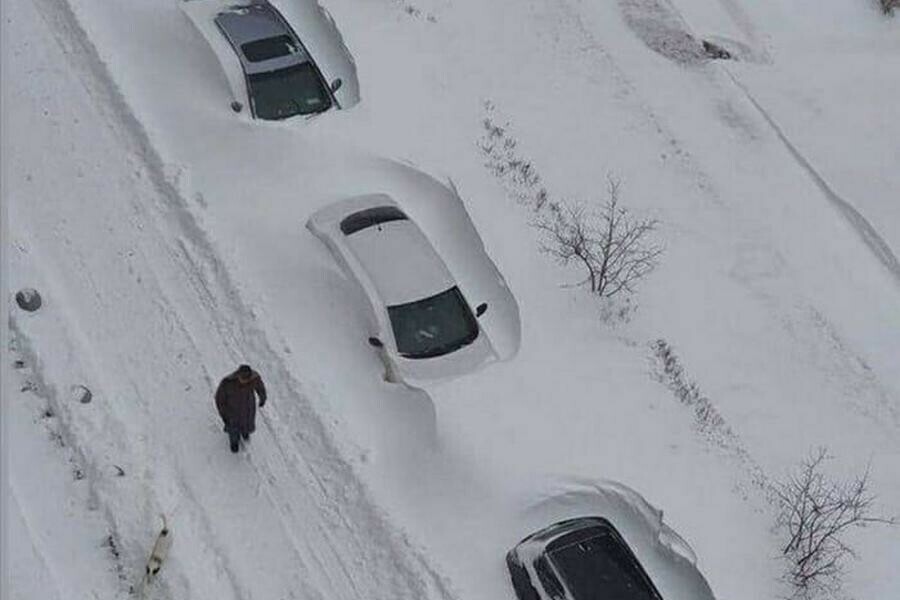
column 707, row 418
column 503, row 160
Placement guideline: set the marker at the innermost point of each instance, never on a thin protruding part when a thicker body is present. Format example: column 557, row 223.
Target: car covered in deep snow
column 610, row 544
column 431, row 318
column 282, row 58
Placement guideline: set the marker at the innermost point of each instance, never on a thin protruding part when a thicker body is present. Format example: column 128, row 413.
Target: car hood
column 455, row 364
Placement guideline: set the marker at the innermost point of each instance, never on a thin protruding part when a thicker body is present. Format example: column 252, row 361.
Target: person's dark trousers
column 234, row 438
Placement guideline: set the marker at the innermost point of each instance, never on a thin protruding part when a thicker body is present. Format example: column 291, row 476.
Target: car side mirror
column 237, row 106
column 336, row 85
column 481, row 309
column 674, row 542
column 375, row 342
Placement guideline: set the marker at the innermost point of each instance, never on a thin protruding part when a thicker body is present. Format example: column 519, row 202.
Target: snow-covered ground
column 167, row 238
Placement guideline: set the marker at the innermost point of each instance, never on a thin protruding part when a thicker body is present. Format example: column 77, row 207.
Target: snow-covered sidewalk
column 139, row 310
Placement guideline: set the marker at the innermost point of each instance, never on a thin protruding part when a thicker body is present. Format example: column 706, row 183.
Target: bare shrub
column 611, row 247
column 28, row 299
column 815, row 512
column 888, row 6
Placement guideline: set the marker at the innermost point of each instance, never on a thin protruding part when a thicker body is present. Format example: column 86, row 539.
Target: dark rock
column 716, row 51
column 28, row 299
column 81, row 394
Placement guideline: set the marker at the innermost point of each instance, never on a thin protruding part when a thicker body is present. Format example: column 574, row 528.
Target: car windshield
column 433, row 326
column 602, row 568
column 295, row 90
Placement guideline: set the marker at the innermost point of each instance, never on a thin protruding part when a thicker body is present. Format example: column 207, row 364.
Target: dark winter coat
column 236, row 402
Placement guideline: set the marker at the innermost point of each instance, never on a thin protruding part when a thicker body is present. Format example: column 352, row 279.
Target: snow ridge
column 869, row 235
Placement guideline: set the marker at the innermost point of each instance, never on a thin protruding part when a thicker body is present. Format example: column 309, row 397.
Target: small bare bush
column 815, row 512
column 613, row 248
column 888, row 6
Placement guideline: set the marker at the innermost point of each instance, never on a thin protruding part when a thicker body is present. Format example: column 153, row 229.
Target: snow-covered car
column 430, row 318
column 612, row 544
column 282, row 58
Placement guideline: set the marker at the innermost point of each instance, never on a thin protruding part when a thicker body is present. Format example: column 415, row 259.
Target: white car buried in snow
column 282, row 58
column 429, row 319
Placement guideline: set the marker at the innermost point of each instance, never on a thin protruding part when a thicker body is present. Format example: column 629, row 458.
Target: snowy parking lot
column 167, row 237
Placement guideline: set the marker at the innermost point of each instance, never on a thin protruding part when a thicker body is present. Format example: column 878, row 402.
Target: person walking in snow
column 236, row 403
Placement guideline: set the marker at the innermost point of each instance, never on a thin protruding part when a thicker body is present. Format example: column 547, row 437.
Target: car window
column 371, row 217
column 433, row 326
column 521, row 581
column 548, row 580
column 269, row 48
column 602, row 567
column 296, row 90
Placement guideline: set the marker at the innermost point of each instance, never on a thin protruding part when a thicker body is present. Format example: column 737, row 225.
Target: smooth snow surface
column 167, row 240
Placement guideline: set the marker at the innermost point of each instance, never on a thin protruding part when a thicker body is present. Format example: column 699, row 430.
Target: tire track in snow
column 867, row 233
column 77, row 426
column 378, row 551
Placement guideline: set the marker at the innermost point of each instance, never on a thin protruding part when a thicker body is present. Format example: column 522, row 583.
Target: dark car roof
column 551, row 533
column 576, row 530
column 555, row 540
column 245, row 25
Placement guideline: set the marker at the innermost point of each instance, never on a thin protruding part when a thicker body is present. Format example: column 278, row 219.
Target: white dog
column 157, row 555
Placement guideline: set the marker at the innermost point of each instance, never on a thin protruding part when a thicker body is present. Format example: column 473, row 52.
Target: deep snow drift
column 167, row 238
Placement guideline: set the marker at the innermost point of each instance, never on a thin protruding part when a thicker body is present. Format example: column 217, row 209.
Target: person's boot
column 246, row 436
column 234, row 440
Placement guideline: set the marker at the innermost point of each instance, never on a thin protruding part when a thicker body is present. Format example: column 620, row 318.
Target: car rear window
column 268, row 48
column 602, row 567
column 371, row 217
